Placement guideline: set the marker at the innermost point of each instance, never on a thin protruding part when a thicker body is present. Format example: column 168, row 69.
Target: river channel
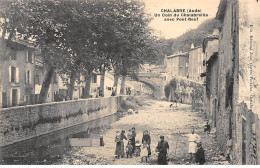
column 50, row 148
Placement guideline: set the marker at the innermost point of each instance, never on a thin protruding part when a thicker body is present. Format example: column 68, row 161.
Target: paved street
column 159, row 119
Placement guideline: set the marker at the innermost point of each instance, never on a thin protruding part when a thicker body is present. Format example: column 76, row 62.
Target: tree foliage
column 80, row 36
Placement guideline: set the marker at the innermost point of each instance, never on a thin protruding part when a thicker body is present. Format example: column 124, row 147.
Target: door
column 14, row 97
column 4, row 100
column 243, row 141
column 214, row 113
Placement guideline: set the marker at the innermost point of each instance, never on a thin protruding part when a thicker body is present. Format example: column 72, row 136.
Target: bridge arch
column 155, row 82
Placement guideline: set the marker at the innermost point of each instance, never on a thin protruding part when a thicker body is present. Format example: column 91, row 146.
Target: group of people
column 133, row 147
column 143, row 149
column 195, row 148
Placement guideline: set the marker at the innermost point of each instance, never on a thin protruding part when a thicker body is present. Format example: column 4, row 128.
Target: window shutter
column 17, row 75
column 25, row 81
column 10, row 103
column 10, row 73
column 26, row 55
column 30, row 77
column 32, row 57
column 18, row 96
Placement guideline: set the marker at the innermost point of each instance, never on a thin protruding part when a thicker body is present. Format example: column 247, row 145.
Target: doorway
column 243, row 141
column 214, row 112
column 4, row 100
column 14, row 97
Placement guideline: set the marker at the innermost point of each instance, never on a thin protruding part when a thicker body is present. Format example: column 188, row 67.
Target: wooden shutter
column 26, row 55
column 10, row 93
column 18, row 96
column 10, row 73
column 30, row 77
column 17, row 75
column 25, row 81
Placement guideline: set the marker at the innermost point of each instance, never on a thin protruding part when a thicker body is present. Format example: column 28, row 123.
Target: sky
column 173, row 29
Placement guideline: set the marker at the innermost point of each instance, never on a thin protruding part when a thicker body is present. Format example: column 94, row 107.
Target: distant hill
column 183, row 42
column 195, row 36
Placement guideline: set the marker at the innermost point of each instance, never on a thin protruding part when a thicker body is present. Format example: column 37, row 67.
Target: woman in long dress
column 118, row 145
column 122, row 137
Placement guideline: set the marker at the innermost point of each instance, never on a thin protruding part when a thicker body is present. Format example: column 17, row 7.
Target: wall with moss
column 21, row 123
column 185, row 91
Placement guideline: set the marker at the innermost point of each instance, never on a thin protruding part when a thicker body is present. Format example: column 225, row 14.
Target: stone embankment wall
column 25, row 122
column 186, row 91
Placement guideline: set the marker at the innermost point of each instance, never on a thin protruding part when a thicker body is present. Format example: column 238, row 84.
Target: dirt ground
column 157, row 117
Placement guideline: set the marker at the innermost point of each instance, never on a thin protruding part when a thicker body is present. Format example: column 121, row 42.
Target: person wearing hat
column 200, row 155
column 162, row 148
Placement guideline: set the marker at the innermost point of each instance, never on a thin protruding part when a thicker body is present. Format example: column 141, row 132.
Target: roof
column 221, row 9
column 205, row 41
column 177, row 55
column 195, row 48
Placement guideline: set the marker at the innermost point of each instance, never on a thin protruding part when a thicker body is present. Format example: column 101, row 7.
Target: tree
column 42, row 23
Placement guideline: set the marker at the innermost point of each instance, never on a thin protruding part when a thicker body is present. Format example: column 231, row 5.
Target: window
column 13, row 74
column 37, row 79
column 28, row 75
column 187, row 64
column 29, row 56
column 94, row 78
column 13, row 54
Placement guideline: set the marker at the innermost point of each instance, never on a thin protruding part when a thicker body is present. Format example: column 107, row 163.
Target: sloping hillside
column 183, row 42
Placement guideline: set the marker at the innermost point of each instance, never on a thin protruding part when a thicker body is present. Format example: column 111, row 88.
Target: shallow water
column 50, row 148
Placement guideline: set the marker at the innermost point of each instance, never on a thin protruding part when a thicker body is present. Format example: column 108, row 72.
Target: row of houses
column 190, row 65
column 228, row 64
column 22, row 73
column 232, row 80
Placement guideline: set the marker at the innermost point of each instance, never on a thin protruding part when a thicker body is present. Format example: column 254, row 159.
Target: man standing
column 162, row 148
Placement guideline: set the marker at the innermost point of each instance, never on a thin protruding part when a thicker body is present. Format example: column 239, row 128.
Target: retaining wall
column 25, row 122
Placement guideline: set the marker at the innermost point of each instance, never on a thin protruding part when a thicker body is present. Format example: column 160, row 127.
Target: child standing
column 137, row 148
column 144, row 152
column 129, row 149
column 199, row 155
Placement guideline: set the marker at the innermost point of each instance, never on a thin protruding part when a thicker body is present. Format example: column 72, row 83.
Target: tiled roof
column 179, row 54
column 195, row 48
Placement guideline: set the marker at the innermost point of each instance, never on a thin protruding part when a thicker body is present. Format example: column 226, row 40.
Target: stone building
column 17, row 73
column 196, row 67
column 210, row 48
column 177, row 65
column 238, row 97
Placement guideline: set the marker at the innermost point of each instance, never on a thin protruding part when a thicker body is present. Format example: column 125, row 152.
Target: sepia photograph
column 129, row 82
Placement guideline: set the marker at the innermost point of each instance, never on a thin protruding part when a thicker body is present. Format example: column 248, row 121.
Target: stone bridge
column 155, row 81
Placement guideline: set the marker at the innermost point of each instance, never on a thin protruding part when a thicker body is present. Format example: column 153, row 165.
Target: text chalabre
column 181, row 10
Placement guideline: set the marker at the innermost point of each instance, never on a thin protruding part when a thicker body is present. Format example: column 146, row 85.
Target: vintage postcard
column 129, row 82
